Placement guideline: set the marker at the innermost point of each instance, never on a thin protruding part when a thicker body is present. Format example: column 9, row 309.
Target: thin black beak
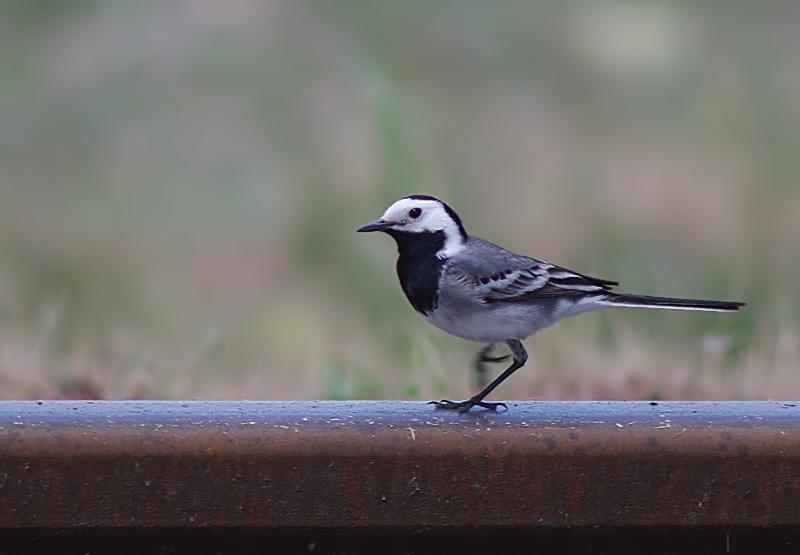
column 374, row 225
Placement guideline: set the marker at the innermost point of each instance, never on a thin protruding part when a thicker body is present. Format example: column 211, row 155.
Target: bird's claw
column 464, row 406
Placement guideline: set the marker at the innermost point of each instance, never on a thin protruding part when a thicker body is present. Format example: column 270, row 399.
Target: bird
column 482, row 292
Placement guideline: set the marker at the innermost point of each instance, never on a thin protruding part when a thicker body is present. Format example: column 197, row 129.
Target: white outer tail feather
column 669, row 303
column 664, row 307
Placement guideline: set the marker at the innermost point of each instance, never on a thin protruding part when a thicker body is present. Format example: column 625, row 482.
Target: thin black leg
column 480, row 364
column 520, row 357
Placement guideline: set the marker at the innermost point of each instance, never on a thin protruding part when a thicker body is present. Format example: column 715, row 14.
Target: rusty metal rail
column 330, row 467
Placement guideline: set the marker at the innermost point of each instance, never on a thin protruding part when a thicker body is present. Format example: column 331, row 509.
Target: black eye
column 414, row 213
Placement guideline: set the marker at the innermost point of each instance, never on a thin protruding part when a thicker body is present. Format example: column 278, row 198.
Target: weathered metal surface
column 437, row 541
column 398, row 465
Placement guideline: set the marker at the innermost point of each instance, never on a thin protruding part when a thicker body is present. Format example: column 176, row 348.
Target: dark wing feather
column 550, row 281
column 499, row 275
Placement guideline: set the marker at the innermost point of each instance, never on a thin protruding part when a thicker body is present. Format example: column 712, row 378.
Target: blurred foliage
column 180, row 183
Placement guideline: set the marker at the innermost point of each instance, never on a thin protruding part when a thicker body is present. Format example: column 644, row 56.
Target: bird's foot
column 464, row 406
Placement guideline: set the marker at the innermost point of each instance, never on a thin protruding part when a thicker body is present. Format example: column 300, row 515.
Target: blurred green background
column 180, row 183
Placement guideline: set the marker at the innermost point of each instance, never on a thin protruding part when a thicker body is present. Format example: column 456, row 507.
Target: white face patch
column 432, row 217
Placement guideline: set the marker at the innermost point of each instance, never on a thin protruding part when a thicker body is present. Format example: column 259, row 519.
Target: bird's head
column 419, row 215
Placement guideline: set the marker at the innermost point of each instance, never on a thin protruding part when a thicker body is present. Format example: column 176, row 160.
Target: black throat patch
column 418, row 267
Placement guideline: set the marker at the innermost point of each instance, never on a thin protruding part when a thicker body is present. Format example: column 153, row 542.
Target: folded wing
column 498, row 275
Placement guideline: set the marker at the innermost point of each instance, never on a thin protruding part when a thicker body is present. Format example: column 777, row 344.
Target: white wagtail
column 480, row 291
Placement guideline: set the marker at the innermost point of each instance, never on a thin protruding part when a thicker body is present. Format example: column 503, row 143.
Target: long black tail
column 645, row 301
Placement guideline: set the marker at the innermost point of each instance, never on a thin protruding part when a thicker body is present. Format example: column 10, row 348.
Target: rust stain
column 389, row 464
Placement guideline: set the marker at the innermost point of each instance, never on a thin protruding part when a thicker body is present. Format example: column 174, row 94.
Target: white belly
column 489, row 323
